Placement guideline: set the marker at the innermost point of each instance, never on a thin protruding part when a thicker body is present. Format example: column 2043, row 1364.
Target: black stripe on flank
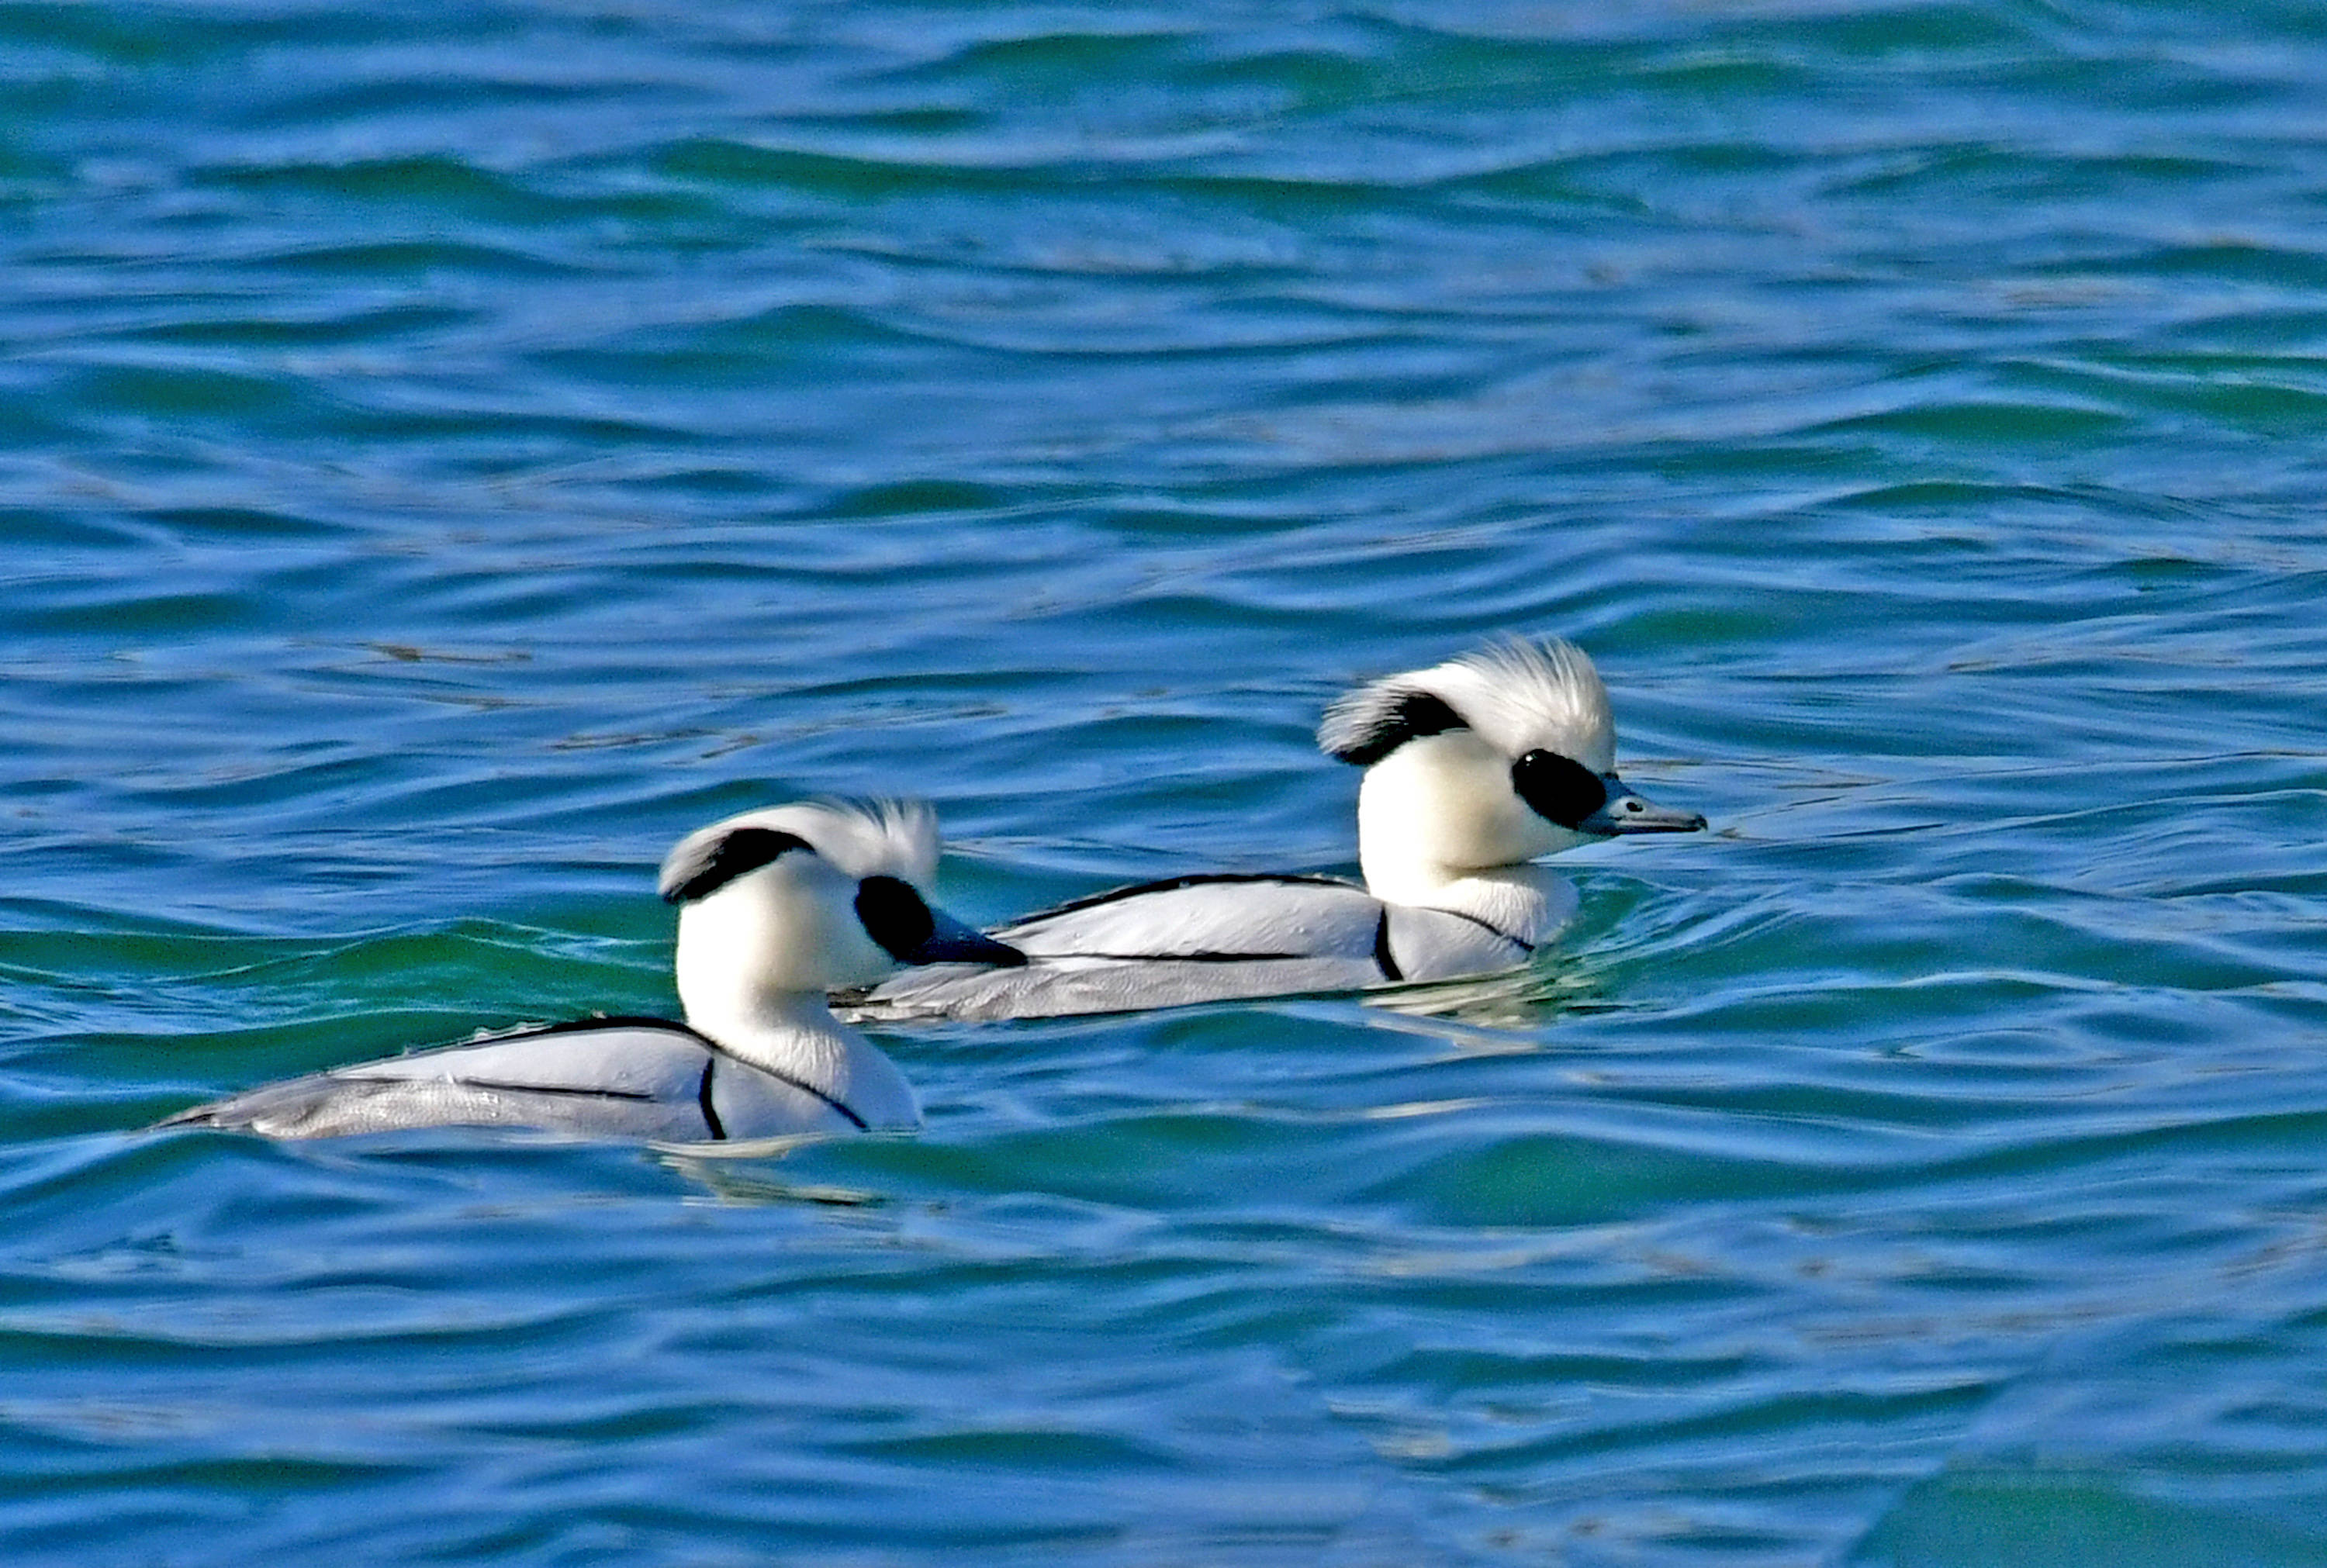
column 626, row 1020
column 1198, row 957
column 725, row 858
column 639, row 1095
column 805, row 1087
column 1521, row 943
column 1383, row 957
column 702, row 1099
column 1173, row 884
column 599, row 1020
column 855, row 1121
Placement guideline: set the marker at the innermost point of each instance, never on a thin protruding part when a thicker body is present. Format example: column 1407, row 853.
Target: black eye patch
column 1375, row 732
column 746, row 849
column 1559, row 788
column 894, row 915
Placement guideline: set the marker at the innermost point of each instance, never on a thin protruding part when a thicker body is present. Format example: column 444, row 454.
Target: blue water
column 447, row 454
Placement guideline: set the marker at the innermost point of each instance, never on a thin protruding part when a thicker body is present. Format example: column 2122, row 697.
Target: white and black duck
column 1473, row 768
column 775, row 908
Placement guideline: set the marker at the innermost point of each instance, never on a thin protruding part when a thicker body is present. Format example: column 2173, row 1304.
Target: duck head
column 1487, row 761
column 794, row 900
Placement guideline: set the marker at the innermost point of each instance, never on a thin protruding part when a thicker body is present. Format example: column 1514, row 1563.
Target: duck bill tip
column 1627, row 813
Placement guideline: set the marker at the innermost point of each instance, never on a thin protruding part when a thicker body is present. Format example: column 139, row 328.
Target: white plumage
column 1473, row 767
column 775, row 907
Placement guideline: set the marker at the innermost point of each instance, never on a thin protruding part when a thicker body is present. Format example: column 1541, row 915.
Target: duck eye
column 894, row 915
column 1559, row 788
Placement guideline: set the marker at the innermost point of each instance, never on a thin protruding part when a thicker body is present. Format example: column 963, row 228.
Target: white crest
column 860, row 838
column 1519, row 695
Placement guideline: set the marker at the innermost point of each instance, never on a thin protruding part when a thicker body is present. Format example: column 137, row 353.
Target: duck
column 1474, row 767
column 776, row 906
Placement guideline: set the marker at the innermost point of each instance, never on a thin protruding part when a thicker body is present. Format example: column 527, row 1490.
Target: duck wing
column 619, row 1078
column 1223, row 917
column 1161, row 944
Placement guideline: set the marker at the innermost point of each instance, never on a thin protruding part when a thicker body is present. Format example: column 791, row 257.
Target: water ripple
column 450, row 455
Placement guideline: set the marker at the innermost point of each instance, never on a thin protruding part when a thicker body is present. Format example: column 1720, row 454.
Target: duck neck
column 763, row 1027
column 1438, row 828
column 1528, row 902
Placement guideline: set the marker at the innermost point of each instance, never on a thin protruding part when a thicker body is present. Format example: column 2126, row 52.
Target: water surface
column 446, row 454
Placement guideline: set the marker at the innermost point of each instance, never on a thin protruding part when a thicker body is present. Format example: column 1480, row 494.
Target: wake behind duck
column 1473, row 768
